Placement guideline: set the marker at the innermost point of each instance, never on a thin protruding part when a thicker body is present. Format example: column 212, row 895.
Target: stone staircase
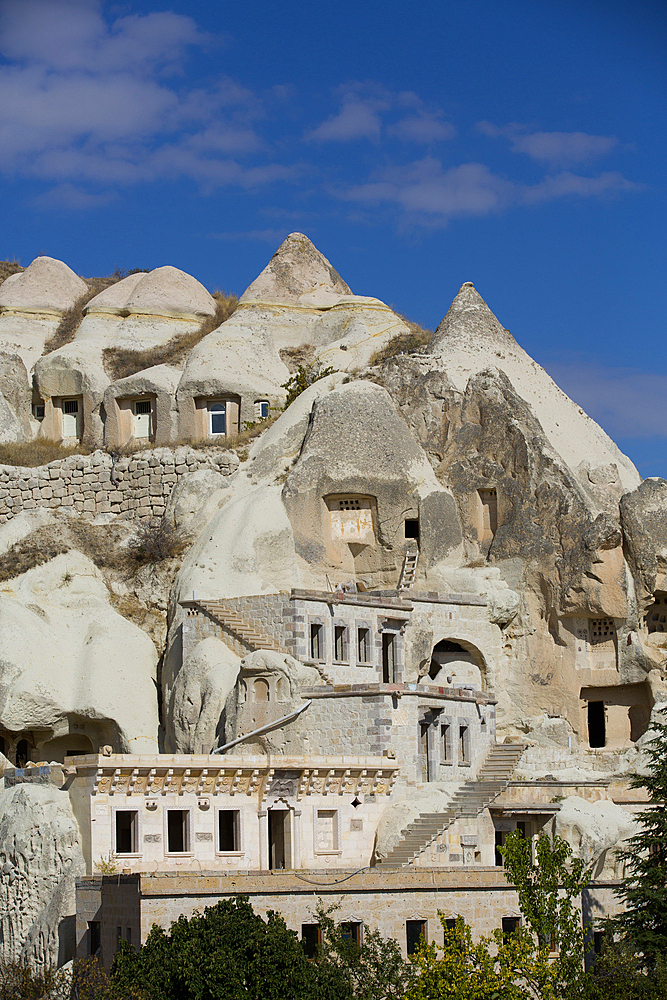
column 239, row 627
column 492, row 778
column 408, row 569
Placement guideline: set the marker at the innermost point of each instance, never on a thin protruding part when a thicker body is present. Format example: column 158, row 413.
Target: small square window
column 412, row 528
column 351, row 932
column 261, row 409
column 38, row 411
column 415, row 930
column 126, row 831
column 450, row 924
column 510, row 925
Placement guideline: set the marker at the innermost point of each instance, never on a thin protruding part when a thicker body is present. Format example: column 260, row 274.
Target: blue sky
column 521, row 146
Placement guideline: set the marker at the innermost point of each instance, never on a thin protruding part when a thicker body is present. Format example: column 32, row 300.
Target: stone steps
column 235, row 623
column 492, row 778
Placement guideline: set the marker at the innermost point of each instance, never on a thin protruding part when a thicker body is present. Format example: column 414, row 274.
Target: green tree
column 226, row 953
column 488, row 969
column 643, row 925
column 547, row 889
column 543, row 959
column 301, row 379
column 372, row 970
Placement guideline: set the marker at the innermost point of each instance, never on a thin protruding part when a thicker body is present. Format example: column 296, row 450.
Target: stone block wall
column 136, row 486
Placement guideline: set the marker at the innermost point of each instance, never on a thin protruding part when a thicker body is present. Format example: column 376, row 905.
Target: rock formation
column 516, row 503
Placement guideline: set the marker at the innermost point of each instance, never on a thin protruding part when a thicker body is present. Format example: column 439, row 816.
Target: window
column 22, row 752
column 597, row 729
column 510, row 925
column 178, row 831
column 415, row 930
column 656, row 616
column 351, row 931
column 217, row 418
column 94, row 937
column 602, row 629
column 423, row 750
column 261, row 409
column 388, row 658
column 446, row 744
column 351, row 519
column 326, row 830
column 128, row 935
column 228, row 830
column 500, row 840
column 311, row 938
column 317, row 641
column 450, row 924
column 126, row 831
column 142, row 409
column 363, row 645
column 38, row 411
column 340, row 643
column 464, row 745
column 349, row 503
column 489, row 502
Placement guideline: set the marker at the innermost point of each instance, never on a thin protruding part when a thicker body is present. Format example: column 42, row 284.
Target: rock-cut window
column 217, row 418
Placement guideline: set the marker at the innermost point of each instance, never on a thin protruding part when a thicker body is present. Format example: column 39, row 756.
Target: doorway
column 71, row 418
column 279, row 839
column 597, row 729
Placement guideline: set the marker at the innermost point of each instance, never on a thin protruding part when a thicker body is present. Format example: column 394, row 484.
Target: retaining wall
column 137, row 486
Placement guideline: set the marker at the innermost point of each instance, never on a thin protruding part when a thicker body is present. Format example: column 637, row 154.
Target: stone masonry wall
column 137, row 486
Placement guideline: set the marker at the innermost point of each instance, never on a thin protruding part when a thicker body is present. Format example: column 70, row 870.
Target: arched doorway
column 457, row 663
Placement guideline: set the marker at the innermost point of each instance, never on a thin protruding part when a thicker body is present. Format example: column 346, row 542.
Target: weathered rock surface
column 595, row 831
column 47, row 286
column 204, row 682
column 69, row 679
column 40, row 859
column 470, row 339
column 297, row 274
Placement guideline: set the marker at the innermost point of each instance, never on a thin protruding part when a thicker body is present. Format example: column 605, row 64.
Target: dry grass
column 71, row 320
column 106, row 545
column 8, row 267
column 414, row 342
column 120, row 362
column 297, row 357
column 41, row 451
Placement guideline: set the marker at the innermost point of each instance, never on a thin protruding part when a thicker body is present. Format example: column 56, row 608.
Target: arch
column 260, row 690
column 74, row 745
column 459, row 659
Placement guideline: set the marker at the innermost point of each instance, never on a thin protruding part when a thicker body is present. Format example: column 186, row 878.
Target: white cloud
column 361, row 117
column 423, row 127
column 81, row 99
column 558, row 149
column 432, row 195
column 72, row 198
column 627, row 402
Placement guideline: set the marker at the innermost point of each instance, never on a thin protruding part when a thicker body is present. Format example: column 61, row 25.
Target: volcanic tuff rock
column 523, row 505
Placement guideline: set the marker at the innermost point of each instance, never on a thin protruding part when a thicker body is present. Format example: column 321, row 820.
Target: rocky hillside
column 211, row 487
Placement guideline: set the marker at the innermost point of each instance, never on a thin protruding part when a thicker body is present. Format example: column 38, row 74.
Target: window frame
column 412, row 945
column 237, row 831
column 134, row 833
column 337, row 848
column 187, row 833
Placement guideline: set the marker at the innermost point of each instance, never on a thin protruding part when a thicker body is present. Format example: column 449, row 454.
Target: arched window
column 261, row 409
